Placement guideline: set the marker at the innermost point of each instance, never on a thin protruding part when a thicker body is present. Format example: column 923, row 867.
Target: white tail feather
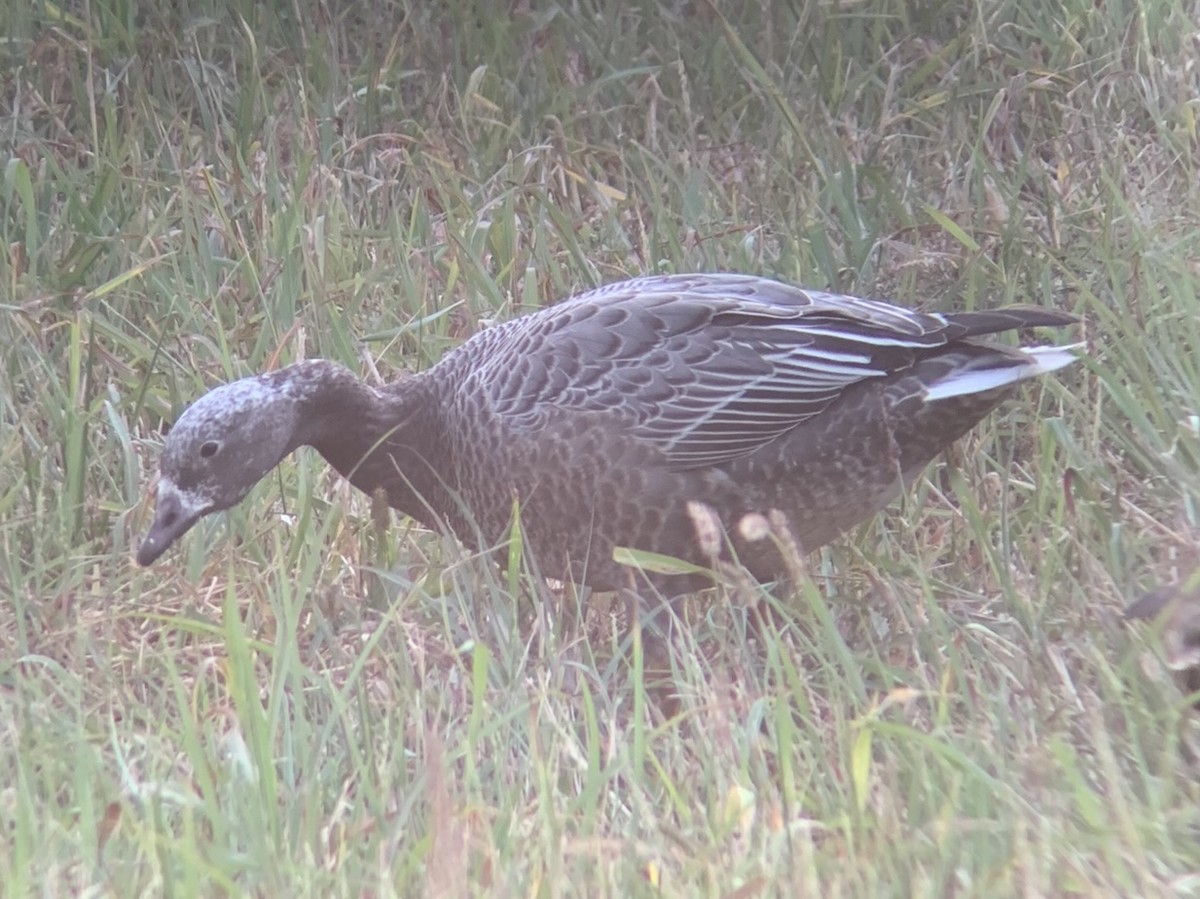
column 1042, row 360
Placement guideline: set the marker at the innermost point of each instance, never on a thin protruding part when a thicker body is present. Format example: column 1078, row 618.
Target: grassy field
column 302, row 701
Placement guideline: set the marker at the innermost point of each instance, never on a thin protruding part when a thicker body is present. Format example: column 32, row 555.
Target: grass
column 301, row 702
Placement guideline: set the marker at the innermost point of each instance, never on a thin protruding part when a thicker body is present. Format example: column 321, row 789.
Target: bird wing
column 706, row 367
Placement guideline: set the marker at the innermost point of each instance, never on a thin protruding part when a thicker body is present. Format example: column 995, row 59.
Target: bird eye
column 208, row 449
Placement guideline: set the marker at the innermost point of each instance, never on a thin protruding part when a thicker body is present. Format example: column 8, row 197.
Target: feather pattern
column 707, row 368
column 609, row 415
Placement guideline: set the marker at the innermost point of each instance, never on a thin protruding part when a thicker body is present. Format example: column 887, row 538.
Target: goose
column 607, row 417
column 1177, row 607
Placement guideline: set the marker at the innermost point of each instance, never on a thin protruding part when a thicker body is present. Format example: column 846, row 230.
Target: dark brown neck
column 389, row 439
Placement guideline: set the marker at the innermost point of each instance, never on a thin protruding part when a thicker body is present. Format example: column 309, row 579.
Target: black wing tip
column 1011, row 318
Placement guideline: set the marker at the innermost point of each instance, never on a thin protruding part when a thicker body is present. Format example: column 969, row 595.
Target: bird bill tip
column 174, row 514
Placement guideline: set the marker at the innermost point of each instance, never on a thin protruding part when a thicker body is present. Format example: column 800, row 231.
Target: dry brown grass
column 299, row 701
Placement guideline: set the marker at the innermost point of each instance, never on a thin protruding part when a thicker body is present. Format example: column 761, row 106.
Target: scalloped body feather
column 606, row 414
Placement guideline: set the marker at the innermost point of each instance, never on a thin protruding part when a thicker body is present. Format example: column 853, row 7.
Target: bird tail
column 1029, row 362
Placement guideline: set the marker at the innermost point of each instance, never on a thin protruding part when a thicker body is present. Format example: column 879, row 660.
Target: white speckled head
column 220, row 447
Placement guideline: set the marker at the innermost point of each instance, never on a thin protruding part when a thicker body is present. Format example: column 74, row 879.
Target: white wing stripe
column 810, row 330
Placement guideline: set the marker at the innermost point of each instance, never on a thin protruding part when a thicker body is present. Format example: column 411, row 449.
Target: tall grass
column 301, row 702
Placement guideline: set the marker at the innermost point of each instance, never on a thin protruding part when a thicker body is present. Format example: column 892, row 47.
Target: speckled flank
column 605, row 415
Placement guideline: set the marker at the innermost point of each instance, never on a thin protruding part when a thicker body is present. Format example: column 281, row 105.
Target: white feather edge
column 1042, row 360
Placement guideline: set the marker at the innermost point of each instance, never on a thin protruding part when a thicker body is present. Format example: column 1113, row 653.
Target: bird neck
column 387, row 439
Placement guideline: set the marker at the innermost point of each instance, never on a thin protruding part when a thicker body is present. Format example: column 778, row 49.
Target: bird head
column 220, row 447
